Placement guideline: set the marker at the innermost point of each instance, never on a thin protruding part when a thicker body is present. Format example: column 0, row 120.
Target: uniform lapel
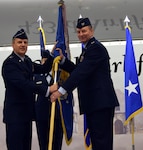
column 28, row 64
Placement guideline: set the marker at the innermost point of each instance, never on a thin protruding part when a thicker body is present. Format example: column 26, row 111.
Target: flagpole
column 40, row 20
column 52, row 112
column 132, row 131
column 132, row 120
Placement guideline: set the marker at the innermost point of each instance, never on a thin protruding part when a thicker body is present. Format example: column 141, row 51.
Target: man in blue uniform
column 20, row 90
column 91, row 76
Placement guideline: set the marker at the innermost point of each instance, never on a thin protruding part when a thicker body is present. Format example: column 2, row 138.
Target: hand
column 60, row 53
column 55, row 95
column 54, row 47
column 45, row 53
column 43, row 60
column 53, row 88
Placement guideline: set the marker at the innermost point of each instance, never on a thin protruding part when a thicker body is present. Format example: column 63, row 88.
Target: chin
column 83, row 41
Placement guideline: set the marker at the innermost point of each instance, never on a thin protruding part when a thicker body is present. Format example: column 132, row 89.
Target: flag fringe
column 87, row 147
column 133, row 115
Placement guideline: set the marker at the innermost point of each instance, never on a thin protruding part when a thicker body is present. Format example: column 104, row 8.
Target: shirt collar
column 22, row 58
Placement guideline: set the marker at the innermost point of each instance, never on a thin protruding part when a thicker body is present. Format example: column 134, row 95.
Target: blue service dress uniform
column 97, row 98
column 20, row 89
column 43, row 114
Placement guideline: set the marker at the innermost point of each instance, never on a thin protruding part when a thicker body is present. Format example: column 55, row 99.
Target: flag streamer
column 42, row 39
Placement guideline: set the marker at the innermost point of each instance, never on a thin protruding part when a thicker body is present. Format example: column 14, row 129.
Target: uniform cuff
column 62, row 91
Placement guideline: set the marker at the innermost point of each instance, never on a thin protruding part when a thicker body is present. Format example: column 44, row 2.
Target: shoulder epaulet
column 10, row 57
column 92, row 42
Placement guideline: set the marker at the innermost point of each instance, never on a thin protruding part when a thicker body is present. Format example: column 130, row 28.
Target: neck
column 20, row 56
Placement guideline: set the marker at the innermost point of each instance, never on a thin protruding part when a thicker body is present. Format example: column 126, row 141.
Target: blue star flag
column 66, row 104
column 133, row 101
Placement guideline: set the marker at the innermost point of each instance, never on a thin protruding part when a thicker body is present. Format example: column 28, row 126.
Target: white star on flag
column 131, row 88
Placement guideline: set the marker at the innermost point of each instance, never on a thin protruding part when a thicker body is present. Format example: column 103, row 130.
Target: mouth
column 23, row 49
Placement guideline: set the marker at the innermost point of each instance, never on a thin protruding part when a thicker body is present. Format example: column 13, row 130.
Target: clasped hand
column 55, row 94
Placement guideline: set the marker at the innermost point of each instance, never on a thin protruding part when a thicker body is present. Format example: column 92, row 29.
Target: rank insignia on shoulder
column 92, row 42
column 81, row 58
column 10, row 57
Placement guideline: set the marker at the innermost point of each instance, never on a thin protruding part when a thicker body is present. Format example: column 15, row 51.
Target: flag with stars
column 133, row 100
column 66, row 102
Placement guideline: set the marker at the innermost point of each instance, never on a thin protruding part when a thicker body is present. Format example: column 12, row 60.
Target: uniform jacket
column 20, row 87
column 92, row 78
column 42, row 103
